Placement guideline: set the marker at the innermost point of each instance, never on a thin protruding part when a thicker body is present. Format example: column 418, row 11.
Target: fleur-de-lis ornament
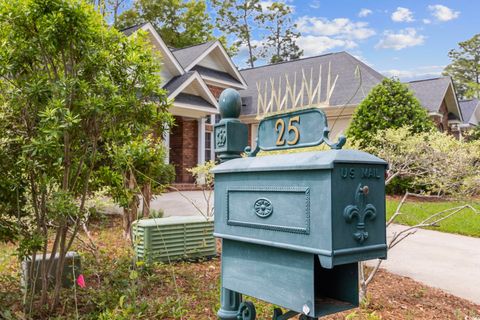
column 362, row 210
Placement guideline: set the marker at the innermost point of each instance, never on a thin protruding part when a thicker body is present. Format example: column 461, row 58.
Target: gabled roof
column 355, row 78
column 193, row 57
column 130, row 30
column 188, row 54
column 165, row 51
column 430, row 92
column 177, row 89
column 468, row 108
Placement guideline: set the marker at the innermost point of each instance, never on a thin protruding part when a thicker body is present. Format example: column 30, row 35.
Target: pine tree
column 465, row 68
column 280, row 43
column 239, row 18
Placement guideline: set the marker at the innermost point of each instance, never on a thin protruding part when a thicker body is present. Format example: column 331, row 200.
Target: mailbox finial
column 230, row 134
column 230, row 104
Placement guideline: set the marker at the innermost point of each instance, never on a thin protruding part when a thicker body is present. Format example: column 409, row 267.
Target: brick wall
column 184, row 148
column 216, row 91
column 442, row 124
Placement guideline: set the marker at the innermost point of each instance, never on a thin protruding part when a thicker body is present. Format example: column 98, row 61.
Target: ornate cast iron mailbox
column 294, row 226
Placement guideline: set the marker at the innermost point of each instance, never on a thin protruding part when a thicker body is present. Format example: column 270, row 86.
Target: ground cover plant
column 119, row 288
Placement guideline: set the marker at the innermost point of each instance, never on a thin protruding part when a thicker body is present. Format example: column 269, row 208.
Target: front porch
column 190, row 143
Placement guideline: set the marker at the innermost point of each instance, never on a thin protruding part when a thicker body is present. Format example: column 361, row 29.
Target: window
column 208, row 146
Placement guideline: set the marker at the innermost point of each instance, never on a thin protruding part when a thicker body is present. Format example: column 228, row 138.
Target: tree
column 72, row 88
column 239, row 18
column 138, row 167
column 180, row 23
column 465, row 68
column 388, row 105
column 280, row 43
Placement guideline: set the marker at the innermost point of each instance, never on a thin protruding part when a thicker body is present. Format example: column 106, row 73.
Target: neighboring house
column 336, row 83
column 194, row 77
column 471, row 113
column 438, row 96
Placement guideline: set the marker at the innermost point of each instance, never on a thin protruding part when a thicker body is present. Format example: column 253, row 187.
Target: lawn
column 413, row 212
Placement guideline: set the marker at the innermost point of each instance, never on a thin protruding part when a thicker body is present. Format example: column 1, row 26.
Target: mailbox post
column 230, row 141
column 294, row 226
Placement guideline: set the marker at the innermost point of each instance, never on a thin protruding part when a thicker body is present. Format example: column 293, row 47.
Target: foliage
column 72, row 88
column 474, row 134
column 280, row 42
column 180, row 23
column 238, row 19
column 138, row 167
column 465, row 68
column 388, row 105
column 205, row 179
column 435, row 161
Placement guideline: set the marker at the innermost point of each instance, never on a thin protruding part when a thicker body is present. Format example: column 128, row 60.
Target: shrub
column 390, row 104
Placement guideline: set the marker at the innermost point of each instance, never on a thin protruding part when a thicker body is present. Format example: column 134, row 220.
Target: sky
column 409, row 39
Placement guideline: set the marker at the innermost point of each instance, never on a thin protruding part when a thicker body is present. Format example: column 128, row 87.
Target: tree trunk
column 130, row 213
column 147, row 199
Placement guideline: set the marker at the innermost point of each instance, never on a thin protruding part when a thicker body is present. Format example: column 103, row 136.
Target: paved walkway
column 446, row 261
column 442, row 260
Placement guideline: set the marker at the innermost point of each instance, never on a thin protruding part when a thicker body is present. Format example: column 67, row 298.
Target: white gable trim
column 231, row 66
column 195, row 77
column 149, row 28
column 222, row 83
column 459, row 111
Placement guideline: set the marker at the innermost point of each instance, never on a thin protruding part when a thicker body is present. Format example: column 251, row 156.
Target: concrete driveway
column 441, row 260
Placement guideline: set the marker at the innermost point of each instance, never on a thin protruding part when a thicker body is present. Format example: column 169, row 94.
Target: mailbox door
column 285, row 209
column 358, row 212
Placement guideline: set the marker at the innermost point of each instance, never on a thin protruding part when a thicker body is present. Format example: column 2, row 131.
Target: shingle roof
column 177, row 81
column 347, row 90
column 468, row 107
column 128, row 31
column 430, row 92
column 219, row 75
column 193, row 100
column 187, row 55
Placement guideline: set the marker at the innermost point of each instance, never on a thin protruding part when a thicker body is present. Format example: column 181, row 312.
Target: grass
column 465, row 222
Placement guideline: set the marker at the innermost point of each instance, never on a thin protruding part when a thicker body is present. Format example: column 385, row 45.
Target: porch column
column 201, row 141
column 166, row 144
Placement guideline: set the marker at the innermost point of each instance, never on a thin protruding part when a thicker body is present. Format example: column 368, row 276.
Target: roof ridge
column 193, row 45
column 291, row 61
column 138, row 25
column 429, row 79
column 366, row 66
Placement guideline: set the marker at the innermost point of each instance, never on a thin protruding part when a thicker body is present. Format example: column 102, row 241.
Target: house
column 471, row 113
column 336, row 83
column 194, row 77
column 438, row 96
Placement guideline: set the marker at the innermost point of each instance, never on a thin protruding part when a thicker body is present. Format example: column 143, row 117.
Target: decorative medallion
column 263, row 207
column 221, row 137
column 362, row 210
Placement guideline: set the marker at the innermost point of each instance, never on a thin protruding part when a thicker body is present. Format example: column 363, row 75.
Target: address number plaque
column 297, row 129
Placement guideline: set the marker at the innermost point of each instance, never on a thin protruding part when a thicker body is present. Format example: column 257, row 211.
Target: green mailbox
column 294, row 226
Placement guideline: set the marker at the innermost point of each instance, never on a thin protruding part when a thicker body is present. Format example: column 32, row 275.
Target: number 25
column 280, row 129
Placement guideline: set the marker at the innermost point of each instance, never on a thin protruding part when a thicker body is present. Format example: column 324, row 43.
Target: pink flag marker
column 81, row 281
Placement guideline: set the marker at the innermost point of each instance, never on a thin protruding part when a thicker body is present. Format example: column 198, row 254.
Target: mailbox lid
column 298, row 161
